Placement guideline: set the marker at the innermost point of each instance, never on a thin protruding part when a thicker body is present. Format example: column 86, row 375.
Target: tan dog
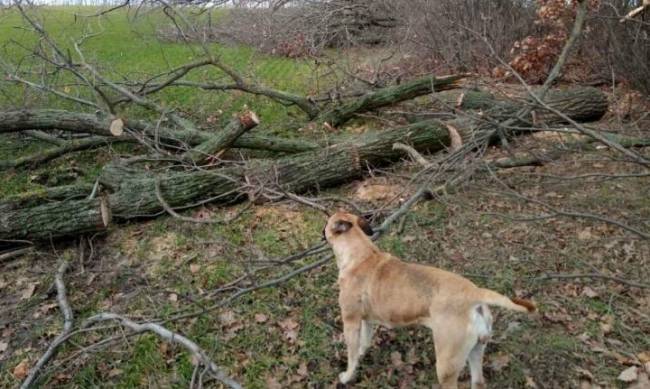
column 377, row 288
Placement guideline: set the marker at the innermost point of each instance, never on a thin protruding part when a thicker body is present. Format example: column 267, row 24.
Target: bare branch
column 169, row 336
column 593, row 275
column 61, row 338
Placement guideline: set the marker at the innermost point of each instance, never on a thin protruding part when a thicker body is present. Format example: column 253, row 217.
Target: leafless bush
column 300, row 28
column 622, row 47
column 450, row 31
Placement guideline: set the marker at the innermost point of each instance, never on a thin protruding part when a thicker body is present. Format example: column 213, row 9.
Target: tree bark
column 224, row 138
column 55, row 119
column 133, row 191
column 582, row 104
column 55, row 219
column 388, row 96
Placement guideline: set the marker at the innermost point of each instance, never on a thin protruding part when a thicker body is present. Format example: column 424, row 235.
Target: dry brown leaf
column 272, row 383
column 114, row 372
column 173, row 297
column 117, row 127
column 499, row 361
column 584, row 373
column 607, row 324
column 3, row 346
column 371, row 192
column 585, row 234
column 644, row 356
column 643, row 382
column 21, row 369
column 290, row 328
column 530, row 382
column 396, row 359
column 261, row 318
column 227, row 317
column 302, row 370
column 589, row 292
column 204, row 214
column 629, row 375
column 194, row 268
column 163, row 348
column 29, row 291
column 408, row 239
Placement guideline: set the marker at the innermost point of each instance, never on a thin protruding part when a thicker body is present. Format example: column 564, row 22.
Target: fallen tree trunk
column 134, row 191
column 56, row 119
column 224, row 139
column 55, row 219
column 389, row 96
column 582, row 104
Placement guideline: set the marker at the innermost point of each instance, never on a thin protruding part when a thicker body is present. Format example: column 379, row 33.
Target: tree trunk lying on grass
column 53, row 119
column 132, row 192
column 56, row 119
column 389, row 96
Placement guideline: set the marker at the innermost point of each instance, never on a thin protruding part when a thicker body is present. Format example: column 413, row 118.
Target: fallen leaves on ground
column 28, row 291
column 290, row 329
column 21, row 370
column 629, row 375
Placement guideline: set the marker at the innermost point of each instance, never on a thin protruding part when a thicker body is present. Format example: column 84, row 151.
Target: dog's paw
column 345, row 377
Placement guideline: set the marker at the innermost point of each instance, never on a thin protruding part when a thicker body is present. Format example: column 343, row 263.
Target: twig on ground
column 560, row 212
column 593, row 275
column 67, row 327
column 5, row 256
column 169, row 336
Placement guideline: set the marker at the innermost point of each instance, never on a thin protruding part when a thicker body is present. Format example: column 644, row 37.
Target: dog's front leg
column 351, row 332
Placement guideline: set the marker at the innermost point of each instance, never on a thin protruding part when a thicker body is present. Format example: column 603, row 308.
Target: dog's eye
column 341, row 226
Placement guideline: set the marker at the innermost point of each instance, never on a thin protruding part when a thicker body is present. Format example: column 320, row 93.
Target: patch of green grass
column 145, row 360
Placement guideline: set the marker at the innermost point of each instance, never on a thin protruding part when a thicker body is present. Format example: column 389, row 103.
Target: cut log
column 55, row 219
column 582, row 104
column 55, row 119
column 389, row 96
column 134, row 191
column 224, row 139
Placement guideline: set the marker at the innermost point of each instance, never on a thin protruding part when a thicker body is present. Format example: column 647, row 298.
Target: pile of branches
column 296, row 29
column 186, row 166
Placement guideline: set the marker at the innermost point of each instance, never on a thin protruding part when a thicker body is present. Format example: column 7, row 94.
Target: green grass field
column 126, row 47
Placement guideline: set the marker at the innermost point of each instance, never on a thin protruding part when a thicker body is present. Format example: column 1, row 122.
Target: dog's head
column 343, row 223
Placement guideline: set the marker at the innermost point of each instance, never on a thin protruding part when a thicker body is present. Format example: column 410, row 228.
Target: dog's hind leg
column 482, row 318
column 475, row 360
column 352, row 334
column 367, row 330
column 453, row 344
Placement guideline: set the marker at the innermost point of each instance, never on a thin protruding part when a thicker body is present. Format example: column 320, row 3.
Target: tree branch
column 61, row 338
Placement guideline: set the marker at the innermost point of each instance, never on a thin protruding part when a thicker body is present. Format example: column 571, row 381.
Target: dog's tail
column 491, row 297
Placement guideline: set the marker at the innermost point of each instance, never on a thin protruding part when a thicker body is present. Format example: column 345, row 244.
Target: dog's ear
column 365, row 226
column 341, row 226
